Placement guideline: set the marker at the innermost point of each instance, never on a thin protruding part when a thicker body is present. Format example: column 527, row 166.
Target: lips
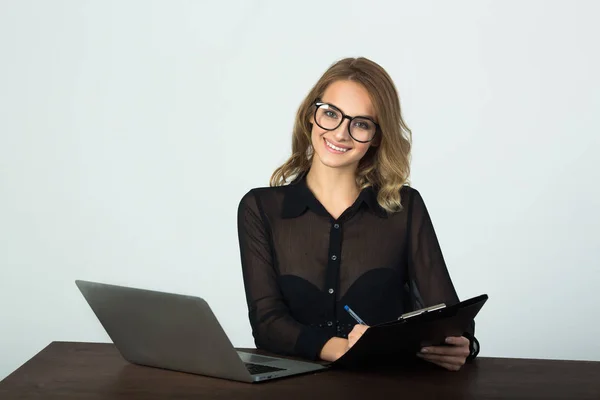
column 335, row 148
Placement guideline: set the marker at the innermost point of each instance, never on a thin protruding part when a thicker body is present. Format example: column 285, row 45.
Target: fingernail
column 424, row 350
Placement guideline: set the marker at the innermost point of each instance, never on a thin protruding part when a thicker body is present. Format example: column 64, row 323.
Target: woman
column 340, row 226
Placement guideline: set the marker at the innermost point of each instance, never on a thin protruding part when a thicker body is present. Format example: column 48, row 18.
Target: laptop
column 179, row 333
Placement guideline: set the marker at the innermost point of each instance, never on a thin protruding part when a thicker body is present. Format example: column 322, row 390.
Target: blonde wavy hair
column 386, row 165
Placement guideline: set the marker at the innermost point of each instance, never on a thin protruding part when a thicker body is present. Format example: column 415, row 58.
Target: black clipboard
column 397, row 341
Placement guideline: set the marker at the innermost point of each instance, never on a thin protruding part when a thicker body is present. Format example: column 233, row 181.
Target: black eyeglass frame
column 318, row 104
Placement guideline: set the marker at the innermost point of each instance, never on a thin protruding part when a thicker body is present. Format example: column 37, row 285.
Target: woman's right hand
column 337, row 347
column 355, row 334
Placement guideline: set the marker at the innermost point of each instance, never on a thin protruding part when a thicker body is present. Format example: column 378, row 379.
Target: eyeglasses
column 329, row 117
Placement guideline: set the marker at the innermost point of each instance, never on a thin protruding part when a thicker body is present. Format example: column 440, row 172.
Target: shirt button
column 330, row 291
column 334, row 257
column 329, row 323
column 336, row 226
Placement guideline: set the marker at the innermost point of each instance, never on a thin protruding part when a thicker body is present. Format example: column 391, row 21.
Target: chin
column 333, row 161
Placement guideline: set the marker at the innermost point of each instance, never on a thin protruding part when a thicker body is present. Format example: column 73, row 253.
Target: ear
column 311, row 121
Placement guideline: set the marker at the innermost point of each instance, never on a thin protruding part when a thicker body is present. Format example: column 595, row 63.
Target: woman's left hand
column 451, row 357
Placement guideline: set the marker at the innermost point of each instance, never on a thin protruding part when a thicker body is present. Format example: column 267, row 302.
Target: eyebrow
column 354, row 116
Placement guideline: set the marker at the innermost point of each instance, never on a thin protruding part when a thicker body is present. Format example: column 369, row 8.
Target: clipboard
column 400, row 340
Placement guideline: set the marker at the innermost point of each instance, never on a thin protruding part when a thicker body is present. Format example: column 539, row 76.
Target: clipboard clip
column 421, row 311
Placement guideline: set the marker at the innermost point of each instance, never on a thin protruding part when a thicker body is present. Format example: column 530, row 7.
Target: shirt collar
column 298, row 198
column 370, row 199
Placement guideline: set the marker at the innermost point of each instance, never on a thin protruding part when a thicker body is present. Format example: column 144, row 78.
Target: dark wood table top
column 67, row 370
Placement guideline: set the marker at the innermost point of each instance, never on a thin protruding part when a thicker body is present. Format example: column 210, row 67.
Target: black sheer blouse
column 301, row 266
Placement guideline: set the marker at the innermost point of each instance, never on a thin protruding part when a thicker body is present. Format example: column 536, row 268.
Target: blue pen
column 353, row 314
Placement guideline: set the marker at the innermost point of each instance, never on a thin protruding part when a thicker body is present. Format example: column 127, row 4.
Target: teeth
column 335, row 147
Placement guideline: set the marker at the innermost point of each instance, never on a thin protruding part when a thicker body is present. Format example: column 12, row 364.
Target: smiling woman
column 360, row 88
column 339, row 226
column 354, row 141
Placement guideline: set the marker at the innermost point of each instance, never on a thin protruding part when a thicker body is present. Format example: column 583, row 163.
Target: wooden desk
column 66, row 370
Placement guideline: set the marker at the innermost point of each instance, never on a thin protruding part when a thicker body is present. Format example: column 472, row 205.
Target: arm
column 430, row 281
column 273, row 328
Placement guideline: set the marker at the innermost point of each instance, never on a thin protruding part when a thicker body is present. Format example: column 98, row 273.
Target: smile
column 336, row 148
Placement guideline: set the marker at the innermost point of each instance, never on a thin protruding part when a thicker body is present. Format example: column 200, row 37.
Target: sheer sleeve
column 273, row 328
column 430, row 282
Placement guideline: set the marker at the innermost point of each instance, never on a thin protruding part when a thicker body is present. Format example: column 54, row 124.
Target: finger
column 446, row 350
column 355, row 334
column 352, row 341
column 443, row 359
column 458, row 340
column 448, row 366
column 353, row 338
column 360, row 328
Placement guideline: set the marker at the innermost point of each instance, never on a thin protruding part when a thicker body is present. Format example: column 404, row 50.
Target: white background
column 129, row 131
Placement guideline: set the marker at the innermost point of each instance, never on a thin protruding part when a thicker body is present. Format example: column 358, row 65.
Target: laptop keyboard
column 256, row 369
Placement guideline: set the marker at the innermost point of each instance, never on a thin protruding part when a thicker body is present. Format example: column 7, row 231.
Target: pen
column 353, row 315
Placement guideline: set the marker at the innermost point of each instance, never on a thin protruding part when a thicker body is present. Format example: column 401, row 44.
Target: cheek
column 316, row 134
column 361, row 148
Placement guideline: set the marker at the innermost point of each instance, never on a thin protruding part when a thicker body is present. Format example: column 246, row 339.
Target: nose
column 341, row 133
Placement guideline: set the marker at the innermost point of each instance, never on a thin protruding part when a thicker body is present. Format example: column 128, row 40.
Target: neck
column 333, row 184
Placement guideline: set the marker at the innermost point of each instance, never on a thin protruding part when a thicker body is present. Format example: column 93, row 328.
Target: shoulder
column 264, row 192
column 408, row 195
column 413, row 202
column 256, row 197
column 411, row 199
column 407, row 190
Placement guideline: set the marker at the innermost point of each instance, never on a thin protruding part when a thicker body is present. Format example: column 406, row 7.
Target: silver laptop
column 179, row 333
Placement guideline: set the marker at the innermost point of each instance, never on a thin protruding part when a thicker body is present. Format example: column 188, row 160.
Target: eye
column 330, row 114
column 362, row 125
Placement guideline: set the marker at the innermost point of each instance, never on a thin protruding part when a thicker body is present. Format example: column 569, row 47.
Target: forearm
column 280, row 333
